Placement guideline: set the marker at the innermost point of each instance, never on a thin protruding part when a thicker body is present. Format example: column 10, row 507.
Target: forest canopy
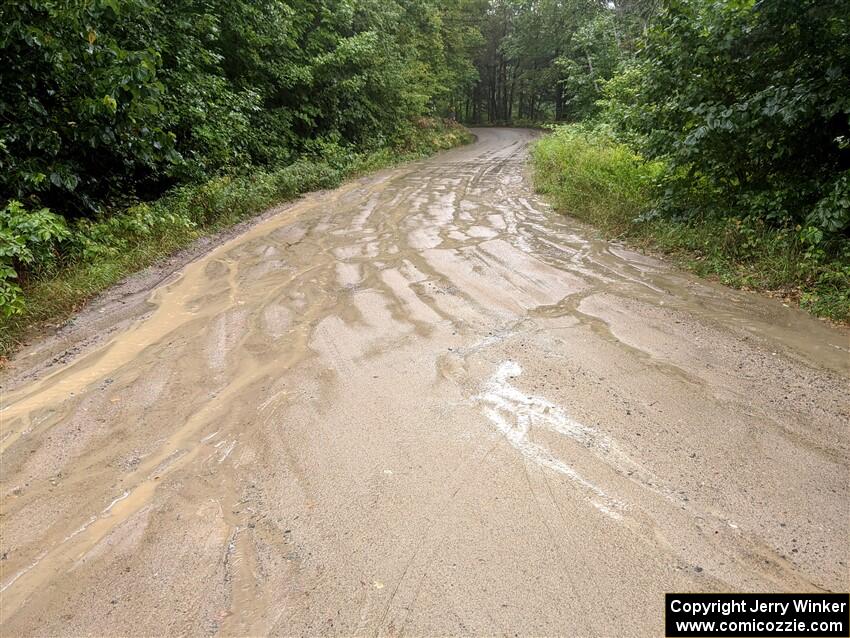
column 105, row 98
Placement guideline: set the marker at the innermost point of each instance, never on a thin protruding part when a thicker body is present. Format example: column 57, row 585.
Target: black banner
column 757, row 615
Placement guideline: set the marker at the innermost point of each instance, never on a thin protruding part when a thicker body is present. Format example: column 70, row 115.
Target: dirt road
column 425, row 404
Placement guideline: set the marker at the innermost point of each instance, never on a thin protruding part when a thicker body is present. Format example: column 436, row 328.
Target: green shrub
column 92, row 240
column 81, row 104
column 28, row 244
column 748, row 104
column 590, row 176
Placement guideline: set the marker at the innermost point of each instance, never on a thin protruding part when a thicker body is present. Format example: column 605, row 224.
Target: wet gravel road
column 422, row 403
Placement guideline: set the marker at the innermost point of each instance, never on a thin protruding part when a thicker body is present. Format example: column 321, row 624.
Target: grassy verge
column 595, row 179
column 102, row 253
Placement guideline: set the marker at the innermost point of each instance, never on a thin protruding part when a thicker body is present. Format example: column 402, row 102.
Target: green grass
column 109, row 250
column 589, row 176
column 603, row 183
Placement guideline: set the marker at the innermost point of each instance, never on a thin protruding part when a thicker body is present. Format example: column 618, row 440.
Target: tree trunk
column 592, row 75
column 514, row 73
column 559, row 102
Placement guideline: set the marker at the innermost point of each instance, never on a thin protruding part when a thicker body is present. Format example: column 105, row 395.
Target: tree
column 749, row 102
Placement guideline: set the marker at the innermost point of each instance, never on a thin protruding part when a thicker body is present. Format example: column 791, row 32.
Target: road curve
column 423, row 403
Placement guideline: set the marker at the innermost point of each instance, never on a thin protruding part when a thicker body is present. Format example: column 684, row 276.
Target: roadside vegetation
column 588, row 174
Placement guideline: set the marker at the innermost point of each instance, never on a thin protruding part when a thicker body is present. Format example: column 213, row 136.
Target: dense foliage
column 749, row 105
column 104, row 98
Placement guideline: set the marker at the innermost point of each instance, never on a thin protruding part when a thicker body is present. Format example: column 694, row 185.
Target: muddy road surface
column 420, row 404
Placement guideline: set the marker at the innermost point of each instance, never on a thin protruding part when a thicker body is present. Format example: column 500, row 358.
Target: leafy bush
column 80, row 110
column 93, row 240
column 832, row 212
column 748, row 103
column 28, row 243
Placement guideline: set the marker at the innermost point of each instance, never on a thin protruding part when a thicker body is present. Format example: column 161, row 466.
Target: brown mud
column 421, row 403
